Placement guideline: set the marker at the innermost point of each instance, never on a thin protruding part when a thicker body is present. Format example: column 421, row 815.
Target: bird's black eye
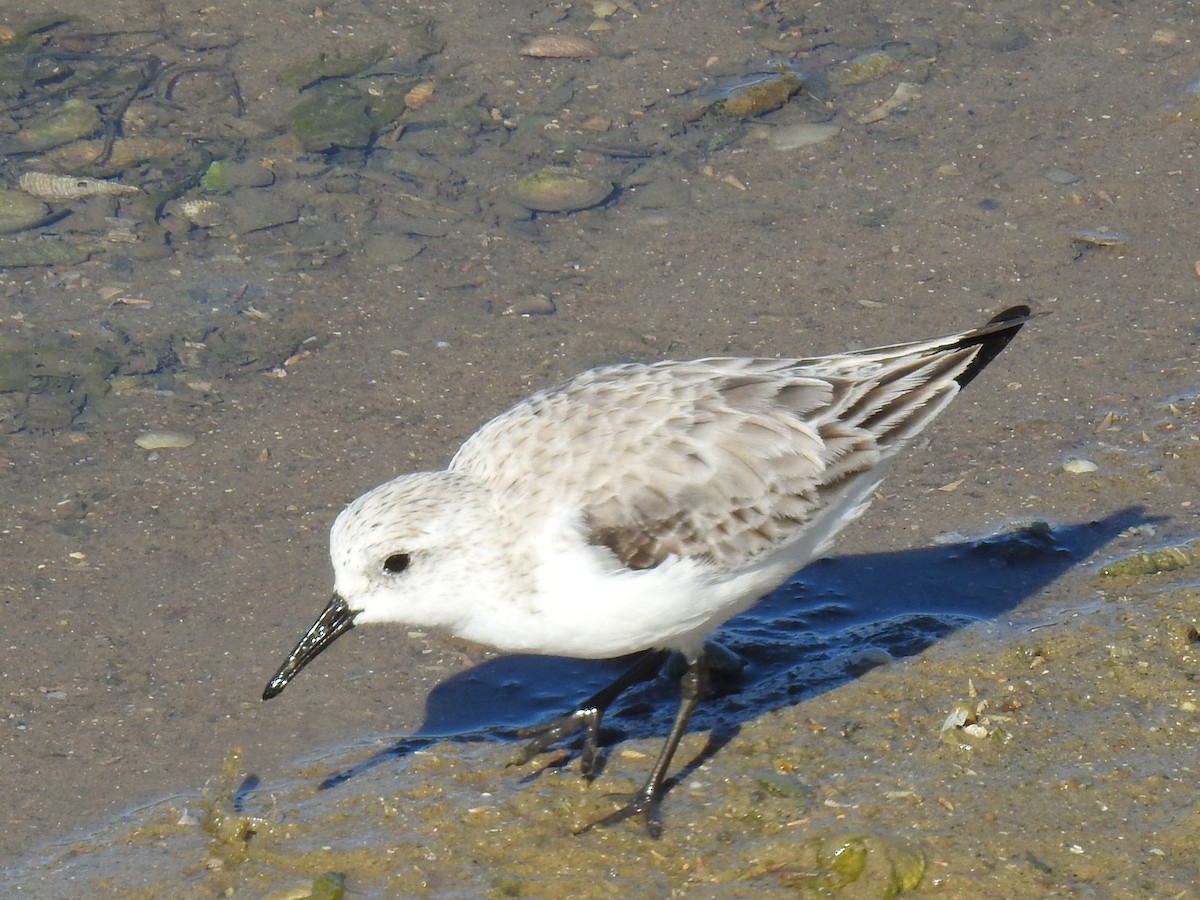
column 396, row 563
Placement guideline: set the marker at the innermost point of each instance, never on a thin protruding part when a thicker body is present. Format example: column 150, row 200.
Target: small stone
column 867, row 659
column 391, row 249
column 250, row 173
column 1061, row 177
column 19, row 212
column 560, row 189
column 1079, row 466
column 793, row 137
column 162, row 440
column 533, row 305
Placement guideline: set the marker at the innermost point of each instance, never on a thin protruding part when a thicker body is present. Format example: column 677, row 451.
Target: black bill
column 336, row 619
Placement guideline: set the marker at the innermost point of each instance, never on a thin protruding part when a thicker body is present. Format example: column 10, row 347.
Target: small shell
column 45, row 186
column 201, row 212
column 905, row 92
column 419, row 95
column 549, row 46
column 195, row 207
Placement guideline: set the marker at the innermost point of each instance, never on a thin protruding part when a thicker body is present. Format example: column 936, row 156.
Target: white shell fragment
column 1079, row 466
column 162, row 440
column 906, row 92
column 45, row 186
column 959, row 716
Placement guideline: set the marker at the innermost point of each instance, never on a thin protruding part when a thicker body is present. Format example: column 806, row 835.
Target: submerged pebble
column 335, row 114
column 1097, row 237
column 533, row 305
column 118, row 155
column 330, row 886
column 867, row 67
column 162, row 440
column 20, row 212
column 306, row 73
column 46, row 251
column 1187, row 106
column 73, row 120
column 856, row 864
column 763, row 95
column 755, row 94
column 917, row 55
column 560, row 189
column 1061, row 177
column 793, row 137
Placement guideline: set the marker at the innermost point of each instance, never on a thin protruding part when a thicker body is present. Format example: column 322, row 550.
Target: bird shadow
column 831, row 622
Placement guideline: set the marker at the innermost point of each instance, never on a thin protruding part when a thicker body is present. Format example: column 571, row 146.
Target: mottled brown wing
column 718, row 459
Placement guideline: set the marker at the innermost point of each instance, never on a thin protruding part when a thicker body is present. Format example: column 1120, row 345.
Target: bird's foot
column 587, row 715
column 550, row 732
column 645, row 803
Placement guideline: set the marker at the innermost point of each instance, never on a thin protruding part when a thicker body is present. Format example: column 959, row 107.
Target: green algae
column 1154, row 562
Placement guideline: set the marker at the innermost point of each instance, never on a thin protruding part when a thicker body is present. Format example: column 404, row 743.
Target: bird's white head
column 398, row 555
column 398, row 550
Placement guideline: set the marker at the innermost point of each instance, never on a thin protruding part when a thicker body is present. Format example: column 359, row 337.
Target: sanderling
column 635, row 508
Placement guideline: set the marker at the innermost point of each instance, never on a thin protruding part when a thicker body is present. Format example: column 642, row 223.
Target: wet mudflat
column 1073, row 772
column 268, row 325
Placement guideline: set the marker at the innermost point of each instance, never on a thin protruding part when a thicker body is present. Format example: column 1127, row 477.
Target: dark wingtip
column 1020, row 311
column 992, row 338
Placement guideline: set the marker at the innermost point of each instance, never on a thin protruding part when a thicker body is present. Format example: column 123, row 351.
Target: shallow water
column 151, row 594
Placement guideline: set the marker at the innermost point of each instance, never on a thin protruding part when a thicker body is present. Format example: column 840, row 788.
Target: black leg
column 647, row 800
column 587, row 715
